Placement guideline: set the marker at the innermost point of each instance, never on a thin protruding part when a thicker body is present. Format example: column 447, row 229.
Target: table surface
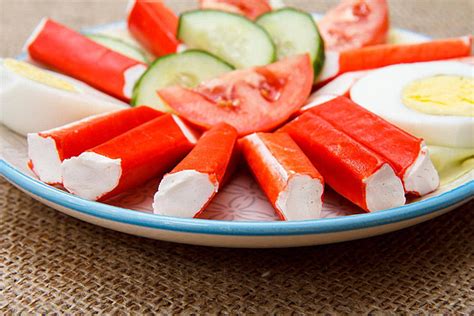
column 51, row 262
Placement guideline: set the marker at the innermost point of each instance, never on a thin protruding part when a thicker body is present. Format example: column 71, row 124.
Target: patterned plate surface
column 240, row 201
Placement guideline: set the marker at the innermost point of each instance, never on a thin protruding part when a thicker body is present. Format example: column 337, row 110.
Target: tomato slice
column 355, row 24
column 252, row 100
column 250, row 9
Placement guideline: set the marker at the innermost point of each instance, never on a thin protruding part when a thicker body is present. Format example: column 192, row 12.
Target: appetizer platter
column 241, row 124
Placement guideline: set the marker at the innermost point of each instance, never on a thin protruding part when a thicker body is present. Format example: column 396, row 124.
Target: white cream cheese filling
column 276, row 4
column 188, row 133
column 129, row 7
column 131, row 76
column 316, row 100
column 44, row 155
column 330, row 68
column 301, row 199
column 384, row 190
column 34, row 34
column 267, row 156
column 181, row 48
column 342, row 84
column 421, row 177
column 183, row 193
column 467, row 40
column 91, row 175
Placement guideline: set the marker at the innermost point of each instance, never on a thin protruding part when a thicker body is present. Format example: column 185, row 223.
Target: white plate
column 240, row 216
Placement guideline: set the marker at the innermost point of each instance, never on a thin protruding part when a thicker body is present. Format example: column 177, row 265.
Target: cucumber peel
column 229, row 36
column 294, row 32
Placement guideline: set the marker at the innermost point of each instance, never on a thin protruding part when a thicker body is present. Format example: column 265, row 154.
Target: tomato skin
column 354, row 24
column 243, row 99
column 251, row 9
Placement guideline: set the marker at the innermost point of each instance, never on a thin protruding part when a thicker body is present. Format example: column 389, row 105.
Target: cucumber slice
column 187, row 69
column 229, row 36
column 119, row 46
column 294, row 32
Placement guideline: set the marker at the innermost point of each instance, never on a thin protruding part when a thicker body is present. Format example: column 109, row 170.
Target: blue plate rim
column 232, row 228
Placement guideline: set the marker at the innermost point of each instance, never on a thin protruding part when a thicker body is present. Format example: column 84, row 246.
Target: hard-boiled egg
column 34, row 100
column 431, row 100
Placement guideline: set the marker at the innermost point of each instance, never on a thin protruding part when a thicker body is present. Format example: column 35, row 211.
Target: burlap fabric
column 54, row 263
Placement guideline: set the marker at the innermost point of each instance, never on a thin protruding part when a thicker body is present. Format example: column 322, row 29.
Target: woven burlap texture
column 50, row 262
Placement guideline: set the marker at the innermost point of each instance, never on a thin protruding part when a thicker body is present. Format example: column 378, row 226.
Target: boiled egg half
column 431, row 100
column 33, row 99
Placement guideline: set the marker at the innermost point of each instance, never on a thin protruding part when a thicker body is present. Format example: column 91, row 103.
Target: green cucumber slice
column 294, row 32
column 229, row 36
column 187, row 69
column 119, row 46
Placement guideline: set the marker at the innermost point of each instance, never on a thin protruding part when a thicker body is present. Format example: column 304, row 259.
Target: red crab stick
column 342, row 84
column 351, row 169
column 128, row 160
column 285, row 174
column 154, row 25
column 48, row 149
column 389, row 54
column 407, row 154
column 66, row 50
column 191, row 185
column 339, row 86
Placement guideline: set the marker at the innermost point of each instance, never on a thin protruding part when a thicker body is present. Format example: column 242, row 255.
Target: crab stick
column 342, row 84
column 350, row 168
column 73, row 54
column 339, row 86
column 46, row 150
column 191, row 185
column 128, row 160
column 292, row 184
column 408, row 155
column 378, row 56
column 153, row 25
column 466, row 60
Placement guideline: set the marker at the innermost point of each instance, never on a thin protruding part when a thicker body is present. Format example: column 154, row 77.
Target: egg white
column 29, row 106
column 380, row 91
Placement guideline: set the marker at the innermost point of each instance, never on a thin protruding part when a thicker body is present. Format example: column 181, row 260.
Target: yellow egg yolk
column 36, row 74
column 441, row 95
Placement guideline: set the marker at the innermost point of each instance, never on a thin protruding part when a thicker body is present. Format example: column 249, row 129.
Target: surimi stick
column 63, row 49
column 466, row 60
column 46, row 150
column 408, row 155
column 342, row 84
column 285, row 174
column 351, row 169
column 378, row 56
column 128, row 160
column 339, row 86
column 154, row 26
column 191, row 185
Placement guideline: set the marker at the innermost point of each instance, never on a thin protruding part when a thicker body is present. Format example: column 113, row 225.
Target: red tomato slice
column 252, row 100
column 355, row 24
column 250, row 9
